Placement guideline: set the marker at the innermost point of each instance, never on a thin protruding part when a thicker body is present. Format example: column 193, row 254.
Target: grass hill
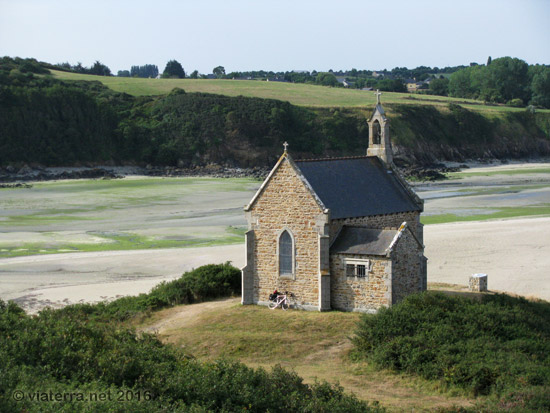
column 296, row 93
column 452, row 351
column 314, row 345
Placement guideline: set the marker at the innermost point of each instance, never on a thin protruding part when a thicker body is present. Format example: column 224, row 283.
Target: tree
column 100, row 69
column 123, row 73
column 391, row 85
column 194, row 74
column 540, row 85
column 219, row 71
column 489, row 60
column 440, row 86
column 144, row 71
column 509, row 78
column 327, row 79
column 173, row 69
column 464, row 83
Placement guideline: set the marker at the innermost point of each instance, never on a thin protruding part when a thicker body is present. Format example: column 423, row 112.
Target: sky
column 275, row 35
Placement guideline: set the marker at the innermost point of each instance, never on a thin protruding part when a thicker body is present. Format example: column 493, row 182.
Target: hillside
column 60, row 122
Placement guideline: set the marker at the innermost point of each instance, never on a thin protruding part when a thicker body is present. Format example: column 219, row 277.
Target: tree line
column 503, row 80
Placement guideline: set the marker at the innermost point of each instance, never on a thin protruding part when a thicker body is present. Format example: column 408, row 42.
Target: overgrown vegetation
column 84, row 350
column 52, row 122
column 498, row 345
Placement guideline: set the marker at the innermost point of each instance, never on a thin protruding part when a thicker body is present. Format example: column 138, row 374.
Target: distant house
column 413, row 85
column 344, row 82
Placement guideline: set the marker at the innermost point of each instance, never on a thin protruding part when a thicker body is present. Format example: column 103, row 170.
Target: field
column 295, row 93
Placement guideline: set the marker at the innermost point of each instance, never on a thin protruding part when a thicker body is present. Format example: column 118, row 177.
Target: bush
column 204, row 283
column 64, row 352
column 497, row 344
column 516, row 103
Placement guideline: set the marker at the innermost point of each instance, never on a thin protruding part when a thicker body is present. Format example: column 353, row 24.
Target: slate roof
column 363, row 241
column 356, row 187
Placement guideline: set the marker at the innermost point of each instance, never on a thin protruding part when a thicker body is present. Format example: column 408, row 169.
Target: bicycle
column 280, row 300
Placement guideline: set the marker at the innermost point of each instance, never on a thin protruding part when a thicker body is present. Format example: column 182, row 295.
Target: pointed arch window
column 286, row 254
column 376, row 132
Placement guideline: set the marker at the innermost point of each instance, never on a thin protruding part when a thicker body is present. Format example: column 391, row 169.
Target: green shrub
column 63, row 351
column 492, row 345
column 204, row 283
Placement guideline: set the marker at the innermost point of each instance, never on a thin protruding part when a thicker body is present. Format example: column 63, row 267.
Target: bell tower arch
column 379, row 134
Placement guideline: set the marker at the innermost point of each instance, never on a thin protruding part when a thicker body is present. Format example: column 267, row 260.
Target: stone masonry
column 360, row 294
column 287, row 204
column 407, row 267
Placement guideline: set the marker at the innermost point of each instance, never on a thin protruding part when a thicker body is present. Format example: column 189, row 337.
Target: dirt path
column 185, row 315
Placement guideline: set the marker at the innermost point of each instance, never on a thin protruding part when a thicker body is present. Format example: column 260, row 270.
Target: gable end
column 301, row 177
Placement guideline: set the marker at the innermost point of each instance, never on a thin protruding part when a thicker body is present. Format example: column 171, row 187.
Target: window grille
column 358, row 268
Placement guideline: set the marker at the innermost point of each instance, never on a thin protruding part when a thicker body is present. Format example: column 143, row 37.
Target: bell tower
column 379, row 134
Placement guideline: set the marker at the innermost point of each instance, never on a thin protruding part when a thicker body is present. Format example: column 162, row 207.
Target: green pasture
column 295, row 93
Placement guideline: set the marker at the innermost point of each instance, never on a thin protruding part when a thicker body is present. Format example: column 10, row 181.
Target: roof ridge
column 335, row 158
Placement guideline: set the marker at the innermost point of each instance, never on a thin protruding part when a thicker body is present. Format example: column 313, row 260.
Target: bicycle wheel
column 284, row 305
column 272, row 305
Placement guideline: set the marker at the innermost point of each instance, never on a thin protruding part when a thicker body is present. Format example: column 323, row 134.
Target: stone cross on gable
column 285, row 145
column 378, row 93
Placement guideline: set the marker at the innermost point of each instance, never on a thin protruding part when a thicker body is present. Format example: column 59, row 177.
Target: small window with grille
column 358, row 268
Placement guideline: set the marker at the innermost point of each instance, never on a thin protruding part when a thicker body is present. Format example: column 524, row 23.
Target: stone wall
column 360, row 294
column 407, row 267
column 387, row 221
column 286, row 203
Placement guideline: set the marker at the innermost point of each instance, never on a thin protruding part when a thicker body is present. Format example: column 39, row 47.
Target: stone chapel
column 339, row 233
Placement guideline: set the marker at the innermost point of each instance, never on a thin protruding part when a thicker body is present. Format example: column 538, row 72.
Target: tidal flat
column 65, row 242
column 122, row 214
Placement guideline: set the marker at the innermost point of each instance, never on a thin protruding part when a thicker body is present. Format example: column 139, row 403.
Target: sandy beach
column 56, row 280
